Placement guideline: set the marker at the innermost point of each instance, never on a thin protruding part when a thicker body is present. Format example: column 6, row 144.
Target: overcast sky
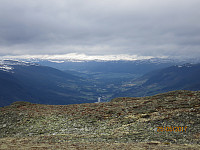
column 100, row 27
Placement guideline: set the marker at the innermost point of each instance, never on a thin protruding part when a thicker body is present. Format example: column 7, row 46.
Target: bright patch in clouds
column 79, row 57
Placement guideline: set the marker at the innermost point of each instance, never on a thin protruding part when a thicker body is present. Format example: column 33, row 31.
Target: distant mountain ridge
column 136, row 66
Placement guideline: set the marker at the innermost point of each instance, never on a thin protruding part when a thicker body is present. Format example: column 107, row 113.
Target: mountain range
column 85, row 82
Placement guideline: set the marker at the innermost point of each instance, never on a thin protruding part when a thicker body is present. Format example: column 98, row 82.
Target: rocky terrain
column 164, row 121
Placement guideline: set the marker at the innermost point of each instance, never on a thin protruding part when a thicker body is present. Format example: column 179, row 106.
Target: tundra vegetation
column 122, row 123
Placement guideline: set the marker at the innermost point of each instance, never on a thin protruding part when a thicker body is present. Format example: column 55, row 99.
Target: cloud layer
column 106, row 27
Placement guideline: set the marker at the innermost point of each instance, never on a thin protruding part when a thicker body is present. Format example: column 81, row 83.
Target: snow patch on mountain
column 188, row 65
column 6, row 68
column 9, row 65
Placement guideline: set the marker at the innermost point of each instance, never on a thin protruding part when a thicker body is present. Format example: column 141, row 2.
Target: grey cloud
column 140, row 27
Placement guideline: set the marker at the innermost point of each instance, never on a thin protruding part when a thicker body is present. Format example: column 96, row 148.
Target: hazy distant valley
column 134, row 78
column 74, row 82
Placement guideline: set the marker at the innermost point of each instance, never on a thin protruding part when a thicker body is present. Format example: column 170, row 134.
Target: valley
column 50, row 82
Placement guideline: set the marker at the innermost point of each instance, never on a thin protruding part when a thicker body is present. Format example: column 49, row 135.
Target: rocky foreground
column 165, row 121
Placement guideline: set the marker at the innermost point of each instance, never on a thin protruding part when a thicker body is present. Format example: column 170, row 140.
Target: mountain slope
column 11, row 89
column 40, row 84
column 179, row 77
